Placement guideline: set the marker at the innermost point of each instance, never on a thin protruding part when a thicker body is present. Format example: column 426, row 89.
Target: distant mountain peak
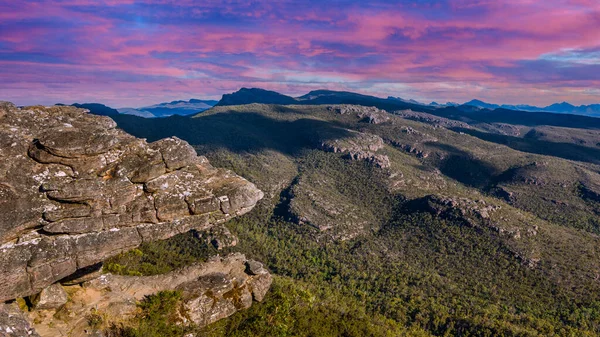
column 97, row 109
column 563, row 107
column 411, row 101
column 255, row 95
column 177, row 107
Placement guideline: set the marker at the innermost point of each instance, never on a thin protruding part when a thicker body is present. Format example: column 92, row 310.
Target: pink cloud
column 121, row 50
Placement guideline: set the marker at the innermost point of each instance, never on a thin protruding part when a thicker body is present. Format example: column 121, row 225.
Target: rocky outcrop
column 366, row 114
column 75, row 190
column 219, row 237
column 358, row 146
column 468, row 210
column 210, row 291
column 13, row 322
column 52, row 297
column 378, row 160
column 412, row 149
column 474, row 213
column 435, row 121
column 413, row 141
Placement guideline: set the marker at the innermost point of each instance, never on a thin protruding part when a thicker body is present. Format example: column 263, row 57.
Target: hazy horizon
column 218, row 97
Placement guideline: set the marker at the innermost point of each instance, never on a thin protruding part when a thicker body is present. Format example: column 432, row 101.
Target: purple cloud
column 139, row 52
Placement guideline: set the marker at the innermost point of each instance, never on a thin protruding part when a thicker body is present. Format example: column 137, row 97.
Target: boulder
column 219, row 237
column 260, row 286
column 52, row 297
column 13, row 322
column 255, row 268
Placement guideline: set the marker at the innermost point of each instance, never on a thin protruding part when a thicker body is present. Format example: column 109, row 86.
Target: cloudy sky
column 134, row 53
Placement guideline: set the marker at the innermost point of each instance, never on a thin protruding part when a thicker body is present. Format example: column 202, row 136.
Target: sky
column 136, row 53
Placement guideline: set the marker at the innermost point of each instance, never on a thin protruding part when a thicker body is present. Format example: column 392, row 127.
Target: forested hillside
column 402, row 223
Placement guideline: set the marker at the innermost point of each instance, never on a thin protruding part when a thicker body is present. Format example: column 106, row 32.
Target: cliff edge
column 75, row 190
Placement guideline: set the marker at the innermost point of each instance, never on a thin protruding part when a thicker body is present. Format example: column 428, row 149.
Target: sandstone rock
column 75, row 190
column 13, row 323
column 255, row 268
column 211, row 291
column 371, row 115
column 260, row 286
column 413, row 149
column 219, row 236
column 360, row 146
column 470, row 211
column 83, row 275
column 379, row 160
column 436, row 121
column 176, row 153
column 51, row 297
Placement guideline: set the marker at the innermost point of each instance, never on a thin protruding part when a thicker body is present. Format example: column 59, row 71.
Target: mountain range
column 166, row 109
column 193, row 106
column 564, row 107
column 372, row 216
column 403, row 219
column 182, row 108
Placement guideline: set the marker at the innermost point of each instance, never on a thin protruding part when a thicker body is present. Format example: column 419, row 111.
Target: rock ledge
column 75, row 190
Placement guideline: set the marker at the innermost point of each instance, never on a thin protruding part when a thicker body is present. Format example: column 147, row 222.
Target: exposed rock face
column 51, row 297
column 434, row 120
column 471, row 211
column 219, row 236
column 214, row 296
column 13, row 322
column 75, row 190
column 361, row 146
column 370, row 115
column 413, row 142
column 378, row 160
column 211, row 291
column 413, row 149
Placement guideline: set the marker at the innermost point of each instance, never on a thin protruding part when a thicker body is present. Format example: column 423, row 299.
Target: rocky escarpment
column 75, row 190
column 358, row 146
column 210, row 291
column 366, row 114
column 474, row 213
column 436, row 121
column 482, row 214
column 413, row 142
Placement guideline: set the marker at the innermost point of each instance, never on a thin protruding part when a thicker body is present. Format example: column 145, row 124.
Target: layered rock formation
column 359, row 146
column 75, row 190
column 14, row 323
column 210, row 291
column 436, row 121
column 370, row 115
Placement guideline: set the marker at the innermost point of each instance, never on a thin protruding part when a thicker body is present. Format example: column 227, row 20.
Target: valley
column 452, row 217
column 299, row 168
